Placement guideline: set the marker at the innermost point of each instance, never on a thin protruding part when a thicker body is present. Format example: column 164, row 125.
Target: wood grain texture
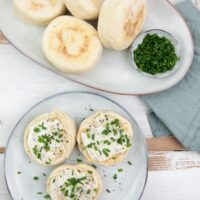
column 3, row 40
column 164, row 161
column 166, row 154
column 2, row 150
column 154, row 144
column 164, row 144
column 169, row 160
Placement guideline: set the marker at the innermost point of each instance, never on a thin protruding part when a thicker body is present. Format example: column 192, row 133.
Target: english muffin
column 84, row 9
column 105, row 138
column 50, row 138
column 120, row 21
column 74, row 182
column 39, row 12
column 72, row 45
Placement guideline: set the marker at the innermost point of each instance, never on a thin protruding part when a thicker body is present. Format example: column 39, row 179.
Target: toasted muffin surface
column 39, row 12
column 72, row 45
column 84, row 9
column 120, row 21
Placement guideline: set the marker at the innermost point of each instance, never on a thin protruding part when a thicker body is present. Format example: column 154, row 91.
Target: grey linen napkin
column 177, row 110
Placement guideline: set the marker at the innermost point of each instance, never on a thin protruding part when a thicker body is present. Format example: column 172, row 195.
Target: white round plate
column 130, row 183
column 115, row 72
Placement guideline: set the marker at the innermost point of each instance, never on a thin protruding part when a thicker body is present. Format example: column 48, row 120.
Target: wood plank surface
column 166, row 154
column 3, row 40
column 154, row 144
column 2, row 150
column 169, row 160
column 165, row 161
column 164, row 144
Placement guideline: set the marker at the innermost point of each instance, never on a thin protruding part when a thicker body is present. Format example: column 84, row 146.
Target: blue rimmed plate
column 130, row 183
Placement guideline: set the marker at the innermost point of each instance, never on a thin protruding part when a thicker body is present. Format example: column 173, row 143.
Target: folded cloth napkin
column 177, row 110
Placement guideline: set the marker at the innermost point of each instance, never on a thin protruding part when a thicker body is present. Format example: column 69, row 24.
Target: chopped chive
column 79, row 160
column 93, row 136
column 94, row 166
column 155, row 54
column 115, row 122
column 42, row 126
column 35, row 178
column 107, row 190
column 106, row 152
column 120, row 170
column 89, row 145
column 36, row 129
column 88, row 191
column 115, row 176
column 39, row 193
column 47, row 196
column 18, row 172
column 96, row 148
column 130, row 163
column 88, row 135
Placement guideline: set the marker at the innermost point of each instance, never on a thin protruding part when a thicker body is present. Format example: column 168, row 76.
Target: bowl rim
column 78, row 92
column 160, row 33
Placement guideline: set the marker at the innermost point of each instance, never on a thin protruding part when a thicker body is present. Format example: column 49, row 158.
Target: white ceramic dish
column 115, row 72
column 130, row 183
column 160, row 33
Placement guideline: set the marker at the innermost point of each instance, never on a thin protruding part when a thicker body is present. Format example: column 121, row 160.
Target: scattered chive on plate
column 155, row 53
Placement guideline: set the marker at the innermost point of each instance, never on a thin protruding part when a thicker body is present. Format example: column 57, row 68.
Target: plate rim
column 101, row 88
column 76, row 92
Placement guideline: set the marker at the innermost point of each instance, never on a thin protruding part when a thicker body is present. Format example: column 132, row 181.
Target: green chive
column 155, row 55
column 36, row 129
column 130, row 163
column 47, row 196
column 115, row 176
column 39, row 193
column 107, row 190
column 35, row 178
column 120, row 170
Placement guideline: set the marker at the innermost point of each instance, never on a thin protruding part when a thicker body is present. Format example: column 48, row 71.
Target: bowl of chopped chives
column 155, row 53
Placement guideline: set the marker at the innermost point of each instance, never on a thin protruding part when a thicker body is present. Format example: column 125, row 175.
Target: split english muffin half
column 120, row 21
column 105, row 138
column 50, row 138
column 39, row 12
column 74, row 182
column 72, row 45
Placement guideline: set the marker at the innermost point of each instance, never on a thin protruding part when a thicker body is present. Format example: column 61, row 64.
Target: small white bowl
column 160, row 33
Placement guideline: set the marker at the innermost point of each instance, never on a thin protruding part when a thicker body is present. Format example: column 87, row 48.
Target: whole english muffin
column 120, row 21
column 50, row 138
column 72, row 45
column 84, row 9
column 39, row 12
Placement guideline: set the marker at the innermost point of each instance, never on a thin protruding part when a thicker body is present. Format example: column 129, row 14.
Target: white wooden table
column 174, row 174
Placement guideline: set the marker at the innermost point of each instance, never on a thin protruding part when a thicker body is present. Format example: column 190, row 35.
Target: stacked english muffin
column 73, row 45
